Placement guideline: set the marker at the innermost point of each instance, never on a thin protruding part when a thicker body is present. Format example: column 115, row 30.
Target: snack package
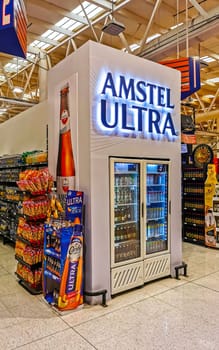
column 35, row 181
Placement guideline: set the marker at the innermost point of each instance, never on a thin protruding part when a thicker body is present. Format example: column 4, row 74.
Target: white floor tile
column 65, row 340
column 165, row 314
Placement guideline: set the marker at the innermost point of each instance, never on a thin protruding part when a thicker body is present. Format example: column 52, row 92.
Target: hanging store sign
column 190, row 74
column 13, row 28
column 130, row 107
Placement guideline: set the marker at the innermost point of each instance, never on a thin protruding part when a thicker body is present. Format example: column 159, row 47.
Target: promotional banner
column 210, row 222
column 74, row 206
column 63, row 266
column 13, row 28
column 71, row 287
column 65, row 171
column 63, row 256
column 190, row 74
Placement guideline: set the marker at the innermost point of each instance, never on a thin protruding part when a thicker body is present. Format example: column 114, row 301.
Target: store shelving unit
column 10, row 195
column 22, row 228
column 193, row 180
column 30, row 231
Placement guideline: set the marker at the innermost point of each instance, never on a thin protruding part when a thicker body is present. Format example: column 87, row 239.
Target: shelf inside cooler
column 127, row 250
column 156, row 245
column 124, row 223
column 124, row 204
column 126, row 172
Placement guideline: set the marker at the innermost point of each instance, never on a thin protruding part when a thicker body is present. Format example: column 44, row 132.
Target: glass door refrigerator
column 139, row 222
column 156, row 220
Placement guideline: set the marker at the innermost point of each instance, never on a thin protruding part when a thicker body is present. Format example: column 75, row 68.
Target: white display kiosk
column 121, row 106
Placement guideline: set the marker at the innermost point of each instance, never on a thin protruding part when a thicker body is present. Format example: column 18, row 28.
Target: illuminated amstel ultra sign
column 133, row 108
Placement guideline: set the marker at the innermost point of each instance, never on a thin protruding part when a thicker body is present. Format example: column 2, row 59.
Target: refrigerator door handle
column 169, row 207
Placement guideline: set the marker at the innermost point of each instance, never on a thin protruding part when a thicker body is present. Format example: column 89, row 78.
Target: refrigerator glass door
column 126, row 211
column 156, row 207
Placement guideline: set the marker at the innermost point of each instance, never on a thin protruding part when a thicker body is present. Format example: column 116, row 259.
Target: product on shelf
column 31, row 232
column 11, row 161
column 33, row 277
column 55, row 208
column 34, row 157
column 28, row 254
column 35, row 181
column 36, row 208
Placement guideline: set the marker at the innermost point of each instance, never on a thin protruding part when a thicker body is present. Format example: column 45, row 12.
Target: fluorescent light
column 12, row 67
column 208, row 96
column 53, row 35
column 134, row 47
column 152, row 37
column 176, row 26
column 47, row 33
column 18, row 90
column 2, row 77
column 207, row 59
column 62, row 22
column 213, row 80
column 40, row 44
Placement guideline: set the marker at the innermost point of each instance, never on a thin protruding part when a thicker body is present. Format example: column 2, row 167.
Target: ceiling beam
column 148, row 26
column 42, row 4
column 199, row 8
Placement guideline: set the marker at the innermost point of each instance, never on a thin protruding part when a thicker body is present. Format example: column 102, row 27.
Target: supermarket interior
column 109, row 174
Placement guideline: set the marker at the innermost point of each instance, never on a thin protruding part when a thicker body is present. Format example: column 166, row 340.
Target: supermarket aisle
column 164, row 314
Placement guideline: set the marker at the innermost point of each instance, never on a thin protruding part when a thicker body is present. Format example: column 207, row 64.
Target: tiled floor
column 166, row 314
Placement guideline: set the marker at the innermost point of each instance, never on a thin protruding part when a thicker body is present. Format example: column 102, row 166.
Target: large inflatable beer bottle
column 65, row 171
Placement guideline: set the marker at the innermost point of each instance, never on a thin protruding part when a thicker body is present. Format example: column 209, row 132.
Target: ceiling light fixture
column 18, row 90
column 113, row 27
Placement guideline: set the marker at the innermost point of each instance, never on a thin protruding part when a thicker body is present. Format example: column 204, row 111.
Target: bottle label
column 65, row 183
column 64, row 121
column 74, row 254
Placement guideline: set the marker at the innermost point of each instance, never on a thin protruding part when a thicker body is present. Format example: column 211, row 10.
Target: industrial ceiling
column 153, row 29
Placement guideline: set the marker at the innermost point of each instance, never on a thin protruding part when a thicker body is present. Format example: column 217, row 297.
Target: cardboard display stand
column 63, row 257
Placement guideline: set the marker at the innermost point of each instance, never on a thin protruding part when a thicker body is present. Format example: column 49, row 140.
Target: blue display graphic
column 134, row 108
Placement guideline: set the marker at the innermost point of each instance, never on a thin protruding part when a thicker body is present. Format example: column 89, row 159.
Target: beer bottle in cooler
column 65, row 171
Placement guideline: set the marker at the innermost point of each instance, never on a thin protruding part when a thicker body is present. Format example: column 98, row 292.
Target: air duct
column 166, row 43
column 201, row 117
column 18, row 102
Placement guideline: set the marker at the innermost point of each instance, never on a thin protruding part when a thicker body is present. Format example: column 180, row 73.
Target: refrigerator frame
column 132, row 273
